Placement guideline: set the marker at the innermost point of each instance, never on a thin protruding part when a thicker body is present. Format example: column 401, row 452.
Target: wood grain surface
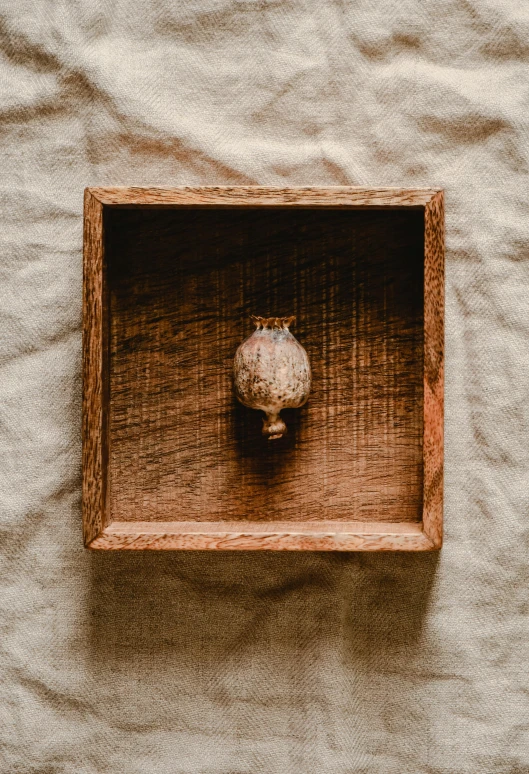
column 95, row 372
column 263, row 536
column 183, row 285
column 332, row 197
column 171, row 279
column 434, row 369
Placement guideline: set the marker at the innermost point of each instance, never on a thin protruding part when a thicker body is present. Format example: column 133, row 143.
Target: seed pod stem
column 273, row 426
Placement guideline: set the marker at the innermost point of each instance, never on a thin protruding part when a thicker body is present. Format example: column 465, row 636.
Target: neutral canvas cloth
column 235, row 663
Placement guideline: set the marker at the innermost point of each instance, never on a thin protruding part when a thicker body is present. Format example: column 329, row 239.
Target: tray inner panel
column 183, row 284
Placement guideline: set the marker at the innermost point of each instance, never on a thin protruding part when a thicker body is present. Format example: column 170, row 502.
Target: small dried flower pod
column 272, row 372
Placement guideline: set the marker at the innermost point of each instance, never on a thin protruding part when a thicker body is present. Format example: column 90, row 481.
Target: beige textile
column 232, row 663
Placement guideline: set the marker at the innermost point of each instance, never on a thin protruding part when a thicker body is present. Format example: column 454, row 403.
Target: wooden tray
column 171, row 277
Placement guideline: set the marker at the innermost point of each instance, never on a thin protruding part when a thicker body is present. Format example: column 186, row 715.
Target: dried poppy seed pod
column 272, row 372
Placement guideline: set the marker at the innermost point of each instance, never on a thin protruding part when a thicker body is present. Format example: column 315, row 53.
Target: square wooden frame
column 101, row 533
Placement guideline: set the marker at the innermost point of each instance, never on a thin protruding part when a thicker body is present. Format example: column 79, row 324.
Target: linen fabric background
column 235, row 663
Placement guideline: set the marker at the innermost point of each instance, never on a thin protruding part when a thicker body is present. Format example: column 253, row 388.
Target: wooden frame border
column 99, row 533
